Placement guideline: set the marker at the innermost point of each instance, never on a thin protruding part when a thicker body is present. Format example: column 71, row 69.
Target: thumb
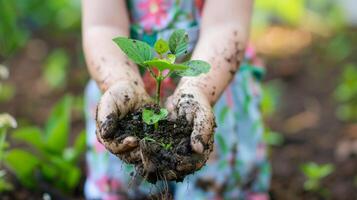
column 115, row 103
column 203, row 129
column 170, row 106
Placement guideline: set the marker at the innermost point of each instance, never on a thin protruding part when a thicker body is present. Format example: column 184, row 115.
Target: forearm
column 106, row 63
column 223, row 36
column 224, row 50
column 103, row 21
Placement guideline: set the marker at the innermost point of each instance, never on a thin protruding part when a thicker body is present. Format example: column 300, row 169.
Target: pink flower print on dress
column 99, row 148
column 229, row 97
column 199, row 5
column 106, row 184
column 154, row 13
column 261, row 152
column 112, row 197
column 257, row 196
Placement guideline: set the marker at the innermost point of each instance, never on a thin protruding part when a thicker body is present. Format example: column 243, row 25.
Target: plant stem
column 159, row 78
column 158, row 88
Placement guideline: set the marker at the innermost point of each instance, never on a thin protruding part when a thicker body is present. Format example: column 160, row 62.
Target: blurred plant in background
column 314, row 173
column 56, row 68
column 318, row 16
column 6, row 122
column 269, row 105
column 7, row 91
column 285, row 27
column 280, row 28
column 21, row 19
column 346, row 94
column 51, row 161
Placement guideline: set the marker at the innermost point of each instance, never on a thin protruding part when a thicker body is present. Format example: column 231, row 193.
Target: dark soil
column 157, row 159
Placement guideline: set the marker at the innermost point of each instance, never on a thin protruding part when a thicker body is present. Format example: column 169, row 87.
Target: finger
column 116, row 102
column 171, row 108
column 187, row 108
column 202, row 135
column 191, row 163
column 117, row 147
column 130, row 157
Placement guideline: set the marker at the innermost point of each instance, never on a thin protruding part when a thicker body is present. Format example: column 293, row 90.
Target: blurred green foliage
column 7, row 90
column 21, row 19
column 6, row 122
column 51, row 160
column 56, row 68
column 346, row 94
column 339, row 47
column 269, row 104
column 271, row 97
column 297, row 12
column 314, row 173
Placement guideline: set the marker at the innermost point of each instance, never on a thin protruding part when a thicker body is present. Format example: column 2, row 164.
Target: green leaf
column 223, row 147
column 273, row 138
column 30, row 135
column 161, row 46
column 195, row 68
column 23, row 164
column 72, row 177
column 136, row 50
column 80, row 143
column 314, row 171
column 147, row 138
column 72, row 154
column 223, row 114
column 151, row 117
column 49, row 171
column 171, row 58
column 57, row 126
column 178, row 42
column 164, row 64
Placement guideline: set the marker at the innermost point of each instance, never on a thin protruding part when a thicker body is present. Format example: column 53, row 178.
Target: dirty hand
column 190, row 101
column 117, row 101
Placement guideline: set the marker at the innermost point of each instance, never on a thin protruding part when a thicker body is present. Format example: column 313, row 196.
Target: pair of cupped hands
column 188, row 101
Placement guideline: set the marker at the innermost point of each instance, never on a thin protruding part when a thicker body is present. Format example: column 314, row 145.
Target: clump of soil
column 163, row 150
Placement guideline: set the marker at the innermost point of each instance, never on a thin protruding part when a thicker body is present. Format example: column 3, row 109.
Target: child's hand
column 190, row 101
column 116, row 102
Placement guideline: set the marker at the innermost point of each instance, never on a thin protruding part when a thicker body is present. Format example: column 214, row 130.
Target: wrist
column 125, row 77
column 197, row 88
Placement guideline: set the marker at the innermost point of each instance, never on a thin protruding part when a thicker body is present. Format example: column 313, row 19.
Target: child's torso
column 152, row 19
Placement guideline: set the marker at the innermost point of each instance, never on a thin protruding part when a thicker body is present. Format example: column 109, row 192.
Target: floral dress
column 240, row 171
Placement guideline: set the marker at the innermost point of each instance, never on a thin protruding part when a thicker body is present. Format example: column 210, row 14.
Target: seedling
column 314, row 173
column 167, row 146
column 164, row 62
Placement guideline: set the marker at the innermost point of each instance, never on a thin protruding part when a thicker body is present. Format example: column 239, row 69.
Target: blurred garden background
column 310, row 97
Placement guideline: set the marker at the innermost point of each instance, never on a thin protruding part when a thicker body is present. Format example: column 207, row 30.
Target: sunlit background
column 310, row 97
